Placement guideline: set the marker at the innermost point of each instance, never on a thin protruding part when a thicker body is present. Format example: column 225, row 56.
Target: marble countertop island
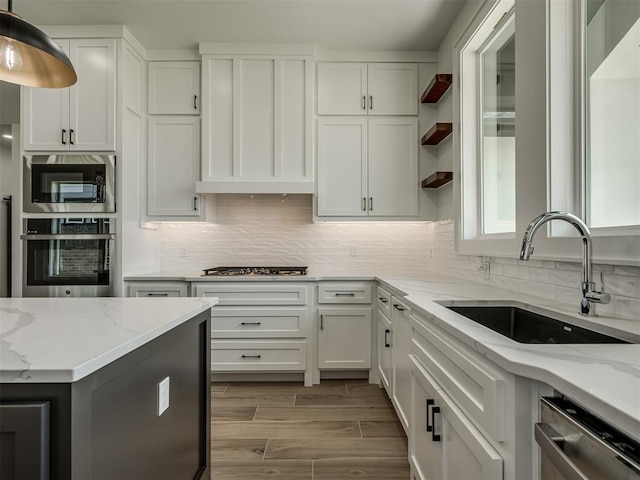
column 51, row 340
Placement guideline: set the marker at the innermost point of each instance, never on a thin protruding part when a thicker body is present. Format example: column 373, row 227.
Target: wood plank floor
column 338, row 430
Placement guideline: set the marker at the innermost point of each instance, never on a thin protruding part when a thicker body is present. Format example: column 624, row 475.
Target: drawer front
column 258, row 293
column 252, row 356
column 351, row 292
column 474, row 384
column 384, row 301
column 158, row 289
column 259, row 322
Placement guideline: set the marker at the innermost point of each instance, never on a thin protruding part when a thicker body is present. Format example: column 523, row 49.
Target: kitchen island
column 105, row 387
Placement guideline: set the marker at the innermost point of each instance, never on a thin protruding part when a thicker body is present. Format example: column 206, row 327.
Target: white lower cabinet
column 258, row 326
column 401, row 369
column 384, row 350
column 157, row 289
column 444, row 443
column 344, row 338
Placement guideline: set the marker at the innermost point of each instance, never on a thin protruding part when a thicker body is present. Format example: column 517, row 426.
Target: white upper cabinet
column 174, row 88
column 81, row 117
column 367, row 89
column 174, row 154
column 256, row 124
column 367, row 167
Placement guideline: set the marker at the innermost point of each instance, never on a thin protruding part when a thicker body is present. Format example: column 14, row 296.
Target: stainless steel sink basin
column 526, row 326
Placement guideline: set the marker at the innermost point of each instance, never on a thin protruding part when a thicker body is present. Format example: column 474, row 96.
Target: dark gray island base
column 106, row 425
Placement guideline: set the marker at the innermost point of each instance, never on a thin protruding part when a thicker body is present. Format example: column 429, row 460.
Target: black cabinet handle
column 64, row 134
column 195, row 203
column 364, row 204
column 434, row 436
column 371, row 204
column 251, row 356
column 370, row 102
column 364, row 102
column 195, row 102
column 383, row 300
column 398, row 307
column 386, row 338
column 251, row 323
column 157, row 294
column 430, row 403
column 345, row 294
column 321, row 322
column 71, row 136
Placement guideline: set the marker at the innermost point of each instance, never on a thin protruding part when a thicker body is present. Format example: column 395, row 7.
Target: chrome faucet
column 589, row 293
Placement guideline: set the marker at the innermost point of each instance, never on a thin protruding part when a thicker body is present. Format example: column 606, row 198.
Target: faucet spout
column 589, row 293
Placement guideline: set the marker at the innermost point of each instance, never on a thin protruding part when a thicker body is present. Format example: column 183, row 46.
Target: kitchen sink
column 526, row 326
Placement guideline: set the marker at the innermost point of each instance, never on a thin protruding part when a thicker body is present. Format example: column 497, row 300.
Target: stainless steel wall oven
column 67, row 257
column 69, row 183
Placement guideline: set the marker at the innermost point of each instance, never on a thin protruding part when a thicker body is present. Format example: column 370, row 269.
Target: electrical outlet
column 183, row 252
column 354, row 251
column 163, row 396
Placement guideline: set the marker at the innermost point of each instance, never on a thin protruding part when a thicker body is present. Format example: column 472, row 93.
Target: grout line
column 255, row 412
column 295, row 397
column 360, row 428
column 346, row 388
column 313, row 463
column 266, row 445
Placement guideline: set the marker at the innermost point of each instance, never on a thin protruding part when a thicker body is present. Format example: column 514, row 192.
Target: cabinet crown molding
column 270, row 49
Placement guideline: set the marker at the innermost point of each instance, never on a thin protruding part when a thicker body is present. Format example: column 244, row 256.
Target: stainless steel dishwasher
column 577, row 445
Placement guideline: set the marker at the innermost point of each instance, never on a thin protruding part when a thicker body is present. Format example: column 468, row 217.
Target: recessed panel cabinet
column 367, row 167
column 367, row 89
column 344, row 338
column 81, row 117
column 174, row 158
column 174, row 88
column 256, row 124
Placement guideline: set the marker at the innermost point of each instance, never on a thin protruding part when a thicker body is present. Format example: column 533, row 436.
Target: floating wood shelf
column 437, row 179
column 436, row 88
column 437, row 133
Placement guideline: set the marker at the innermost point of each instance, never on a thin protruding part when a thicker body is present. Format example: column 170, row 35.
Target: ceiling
column 409, row 25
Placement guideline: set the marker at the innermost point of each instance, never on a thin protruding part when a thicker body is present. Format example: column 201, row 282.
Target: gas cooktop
column 231, row 271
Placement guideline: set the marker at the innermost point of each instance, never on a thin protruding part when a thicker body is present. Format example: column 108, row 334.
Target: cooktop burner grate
column 231, row 271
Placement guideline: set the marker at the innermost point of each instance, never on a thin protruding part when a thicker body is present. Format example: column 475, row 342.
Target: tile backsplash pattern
column 278, row 230
column 554, row 280
column 273, row 230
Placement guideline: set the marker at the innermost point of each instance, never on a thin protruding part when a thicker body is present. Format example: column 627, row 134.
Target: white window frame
column 550, row 129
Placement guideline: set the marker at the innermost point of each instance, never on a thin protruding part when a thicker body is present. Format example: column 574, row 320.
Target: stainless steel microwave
column 69, row 183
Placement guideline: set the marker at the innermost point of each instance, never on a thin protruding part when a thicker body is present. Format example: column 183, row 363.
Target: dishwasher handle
column 551, row 443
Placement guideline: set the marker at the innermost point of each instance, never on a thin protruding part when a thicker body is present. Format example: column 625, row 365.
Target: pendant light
column 29, row 57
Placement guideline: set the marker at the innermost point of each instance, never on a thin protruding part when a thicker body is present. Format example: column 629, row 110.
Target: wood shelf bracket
column 437, row 179
column 438, row 86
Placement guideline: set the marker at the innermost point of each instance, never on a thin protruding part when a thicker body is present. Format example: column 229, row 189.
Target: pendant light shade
column 29, row 57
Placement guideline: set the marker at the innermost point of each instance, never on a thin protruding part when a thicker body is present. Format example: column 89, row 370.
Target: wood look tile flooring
column 337, row 430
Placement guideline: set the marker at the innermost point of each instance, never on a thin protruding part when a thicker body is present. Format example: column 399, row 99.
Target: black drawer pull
column 434, row 436
column 251, row 356
column 64, row 133
column 251, row 323
column 398, row 307
column 345, row 294
column 430, row 403
column 157, row 294
column 383, row 300
column 386, row 338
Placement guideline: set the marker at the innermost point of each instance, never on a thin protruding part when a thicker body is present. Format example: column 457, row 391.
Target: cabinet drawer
column 384, row 301
column 344, row 293
column 157, row 289
column 258, row 322
column 252, row 356
column 470, row 380
column 263, row 293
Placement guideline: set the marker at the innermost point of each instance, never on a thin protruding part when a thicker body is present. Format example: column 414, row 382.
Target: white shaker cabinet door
column 393, row 166
column 344, row 338
column 392, row 89
column 342, row 88
column 174, row 154
column 342, row 166
column 92, row 102
column 174, row 88
column 45, row 116
column 385, row 337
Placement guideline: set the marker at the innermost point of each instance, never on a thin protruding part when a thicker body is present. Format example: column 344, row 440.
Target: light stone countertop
column 51, row 340
column 604, row 378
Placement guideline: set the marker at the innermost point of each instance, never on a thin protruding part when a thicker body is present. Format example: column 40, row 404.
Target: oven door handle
column 548, row 439
column 63, row 236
